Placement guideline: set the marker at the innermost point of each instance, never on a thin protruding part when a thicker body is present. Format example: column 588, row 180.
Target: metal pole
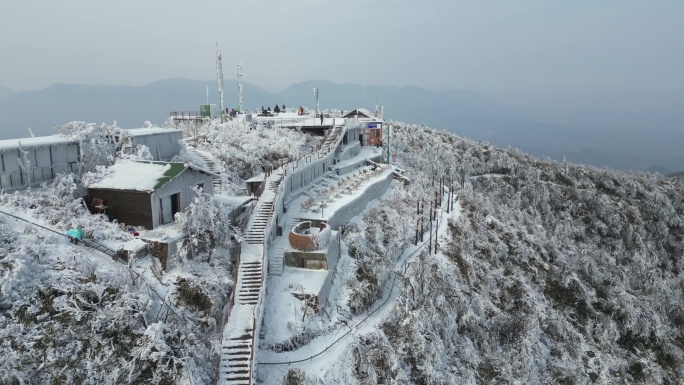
column 219, row 73
column 430, row 244
column 436, row 232
column 417, row 224
column 389, row 130
column 422, row 228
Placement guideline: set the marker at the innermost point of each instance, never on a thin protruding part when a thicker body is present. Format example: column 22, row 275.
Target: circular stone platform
column 305, row 237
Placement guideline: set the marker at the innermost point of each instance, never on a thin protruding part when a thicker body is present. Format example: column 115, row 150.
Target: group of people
column 276, row 109
column 266, row 111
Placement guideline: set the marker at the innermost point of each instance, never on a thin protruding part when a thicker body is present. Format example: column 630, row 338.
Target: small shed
column 147, row 194
column 164, row 143
column 32, row 161
column 254, row 184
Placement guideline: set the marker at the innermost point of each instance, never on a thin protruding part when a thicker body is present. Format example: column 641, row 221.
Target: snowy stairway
column 210, row 164
column 255, row 230
column 249, row 282
column 332, row 137
column 236, row 356
column 275, row 265
column 273, row 185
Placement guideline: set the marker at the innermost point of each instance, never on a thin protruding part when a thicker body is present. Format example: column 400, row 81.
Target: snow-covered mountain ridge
column 552, row 273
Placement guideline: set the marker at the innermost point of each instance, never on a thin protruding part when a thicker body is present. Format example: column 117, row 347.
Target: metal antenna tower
column 239, row 79
column 316, row 93
column 219, row 73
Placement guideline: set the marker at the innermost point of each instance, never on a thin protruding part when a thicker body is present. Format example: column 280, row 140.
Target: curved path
column 334, row 342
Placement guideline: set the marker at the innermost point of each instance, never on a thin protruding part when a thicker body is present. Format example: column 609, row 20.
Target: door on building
column 170, row 205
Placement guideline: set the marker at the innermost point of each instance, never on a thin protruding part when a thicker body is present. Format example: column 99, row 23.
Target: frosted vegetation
column 553, row 273
column 71, row 315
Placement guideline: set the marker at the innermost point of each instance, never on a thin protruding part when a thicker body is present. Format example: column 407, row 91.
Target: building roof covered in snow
column 152, row 131
column 38, row 141
column 139, row 176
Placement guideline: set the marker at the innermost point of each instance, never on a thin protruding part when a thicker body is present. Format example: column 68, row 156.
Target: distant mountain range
column 464, row 112
column 6, row 93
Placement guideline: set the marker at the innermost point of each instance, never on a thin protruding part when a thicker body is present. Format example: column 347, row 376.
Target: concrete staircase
column 249, row 283
column 237, row 351
column 273, row 184
column 235, row 368
column 255, row 229
column 237, row 346
column 209, row 165
column 332, row 137
column 275, row 265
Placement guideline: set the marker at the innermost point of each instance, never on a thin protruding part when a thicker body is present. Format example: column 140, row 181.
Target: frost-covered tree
column 206, row 223
column 99, row 145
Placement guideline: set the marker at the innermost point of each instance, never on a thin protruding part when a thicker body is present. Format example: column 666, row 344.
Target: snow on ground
column 335, row 193
column 142, row 308
column 325, row 354
column 284, row 312
column 280, row 316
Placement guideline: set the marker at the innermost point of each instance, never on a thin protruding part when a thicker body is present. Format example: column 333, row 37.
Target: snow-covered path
column 322, row 353
column 241, row 332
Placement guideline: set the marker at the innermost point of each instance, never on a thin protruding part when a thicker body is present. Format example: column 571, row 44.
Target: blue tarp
column 75, row 233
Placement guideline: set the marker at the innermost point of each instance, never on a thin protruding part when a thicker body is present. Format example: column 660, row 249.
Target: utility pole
column 219, row 75
column 239, row 79
column 436, row 232
column 316, row 94
column 417, row 224
column 389, row 137
column 430, row 243
column 417, row 220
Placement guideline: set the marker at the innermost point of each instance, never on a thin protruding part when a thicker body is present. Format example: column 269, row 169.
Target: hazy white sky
column 484, row 45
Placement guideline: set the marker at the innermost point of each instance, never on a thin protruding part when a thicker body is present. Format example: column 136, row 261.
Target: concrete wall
column 303, row 177
column 333, row 259
column 324, row 293
column 326, row 259
column 348, row 151
column 356, row 206
column 315, row 260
